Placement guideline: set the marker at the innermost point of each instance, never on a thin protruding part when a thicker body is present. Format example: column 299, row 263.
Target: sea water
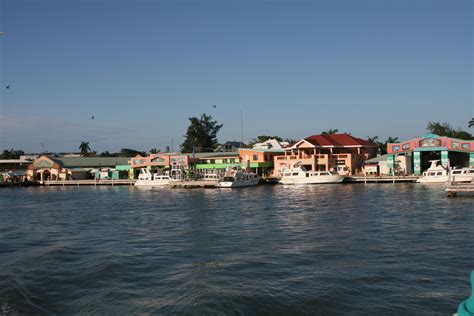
column 353, row 249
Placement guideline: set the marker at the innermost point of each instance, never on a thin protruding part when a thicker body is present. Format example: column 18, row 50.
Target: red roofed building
column 343, row 153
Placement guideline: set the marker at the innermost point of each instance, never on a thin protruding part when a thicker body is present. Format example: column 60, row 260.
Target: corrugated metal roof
column 90, row 162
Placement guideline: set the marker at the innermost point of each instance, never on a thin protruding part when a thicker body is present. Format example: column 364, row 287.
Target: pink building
column 160, row 162
column 339, row 152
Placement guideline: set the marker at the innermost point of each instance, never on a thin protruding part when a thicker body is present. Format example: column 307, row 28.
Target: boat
column 299, row 175
column 146, row 178
column 236, row 177
column 211, row 177
column 438, row 174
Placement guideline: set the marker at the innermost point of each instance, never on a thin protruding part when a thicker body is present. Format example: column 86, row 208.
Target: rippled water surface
column 380, row 249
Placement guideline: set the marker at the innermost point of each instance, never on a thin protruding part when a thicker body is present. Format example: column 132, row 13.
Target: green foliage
column 127, row 152
column 154, row 151
column 107, row 154
column 263, row 138
column 445, row 129
column 12, row 154
column 330, row 131
column 201, row 135
column 84, row 148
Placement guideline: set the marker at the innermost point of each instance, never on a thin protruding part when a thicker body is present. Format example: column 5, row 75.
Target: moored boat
column 299, row 175
column 146, row 178
column 439, row 174
column 236, row 177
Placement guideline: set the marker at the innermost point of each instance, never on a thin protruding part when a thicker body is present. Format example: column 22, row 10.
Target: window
column 439, row 173
column 295, row 173
column 224, row 160
column 212, row 161
column 255, row 157
column 457, row 172
column 232, row 160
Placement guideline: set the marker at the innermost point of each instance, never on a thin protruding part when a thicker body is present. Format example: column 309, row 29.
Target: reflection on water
column 376, row 249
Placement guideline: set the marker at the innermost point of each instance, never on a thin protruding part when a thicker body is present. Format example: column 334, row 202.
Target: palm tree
column 372, row 139
column 85, row 148
column 471, row 123
column 391, row 140
column 330, row 131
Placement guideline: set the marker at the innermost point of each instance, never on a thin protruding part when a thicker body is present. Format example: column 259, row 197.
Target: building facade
column 420, row 150
column 336, row 152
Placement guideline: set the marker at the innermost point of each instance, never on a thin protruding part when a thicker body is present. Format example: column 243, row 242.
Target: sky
column 292, row 68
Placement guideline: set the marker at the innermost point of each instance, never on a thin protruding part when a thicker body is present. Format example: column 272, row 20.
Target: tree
column 127, row 152
column 330, row 131
column 445, row 129
column 154, row 151
column 471, row 123
column 201, row 134
column 85, row 148
column 263, row 138
column 12, row 154
column 373, row 139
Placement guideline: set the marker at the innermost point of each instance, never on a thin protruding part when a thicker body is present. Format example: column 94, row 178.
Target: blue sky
column 295, row 68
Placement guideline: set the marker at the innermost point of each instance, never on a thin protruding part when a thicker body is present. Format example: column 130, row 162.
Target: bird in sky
column 214, row 106
column 8, row 87
column 92, row 117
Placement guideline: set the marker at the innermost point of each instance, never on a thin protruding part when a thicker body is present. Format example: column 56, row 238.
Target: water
column 379, row 249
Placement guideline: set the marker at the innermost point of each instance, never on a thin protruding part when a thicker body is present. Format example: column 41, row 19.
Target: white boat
column 299, row 175
column 235, row 178
column 146, row 178
column 438, row 174
column 211, row 177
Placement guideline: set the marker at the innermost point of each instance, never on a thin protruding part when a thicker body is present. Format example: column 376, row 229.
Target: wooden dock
column 87, row 182
column 194, row 184
column 460, row 188
column 381, row 179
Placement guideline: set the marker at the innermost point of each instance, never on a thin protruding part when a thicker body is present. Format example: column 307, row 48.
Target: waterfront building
column 161, row 163
column 69, row 168
column 379, row 166
column 270, row 144
column 419, row 151
column 217, row 162
column 259, row 160
column 338, row 152
column 230, row 146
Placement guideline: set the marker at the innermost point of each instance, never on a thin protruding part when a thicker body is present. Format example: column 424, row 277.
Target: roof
column 91, row 162
column 338, row 140
column 377, row 159
column 217, row 154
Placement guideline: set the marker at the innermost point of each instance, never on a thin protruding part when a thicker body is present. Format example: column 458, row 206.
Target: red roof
column 338, row 140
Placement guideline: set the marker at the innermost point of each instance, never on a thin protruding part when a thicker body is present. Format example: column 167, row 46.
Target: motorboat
column 236, row 177
column 462, row 175
column 299, row 175
column 211, row 177
column 146, row 178
column 439, row 174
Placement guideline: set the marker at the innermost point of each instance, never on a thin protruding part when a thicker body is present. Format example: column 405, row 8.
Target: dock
column 460, row 188
column 194, row 184
column 91, row 182
column 381, row 179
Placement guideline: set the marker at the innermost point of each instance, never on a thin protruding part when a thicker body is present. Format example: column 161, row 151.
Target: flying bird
column 214, row 106
column 8, row 87
column 92, row 117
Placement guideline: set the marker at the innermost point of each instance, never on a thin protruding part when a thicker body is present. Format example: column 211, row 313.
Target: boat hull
column 152, row 183
column 238, row 184
column 312, row 180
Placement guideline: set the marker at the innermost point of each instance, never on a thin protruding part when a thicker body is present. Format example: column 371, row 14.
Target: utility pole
column 241, row 128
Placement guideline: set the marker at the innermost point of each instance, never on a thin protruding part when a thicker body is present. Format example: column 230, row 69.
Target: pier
column 87, row 182
column 194, row 184
column 381, row 179
column 460, row 188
